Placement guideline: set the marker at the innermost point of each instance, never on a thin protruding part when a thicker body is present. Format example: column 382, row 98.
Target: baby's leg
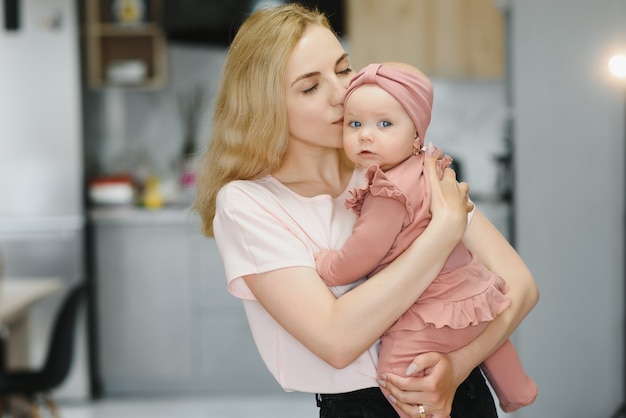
column 399, row 348
column 508, row 379
column 396, row 353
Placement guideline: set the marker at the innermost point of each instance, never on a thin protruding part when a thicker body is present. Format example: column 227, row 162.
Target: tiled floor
column 288, row 405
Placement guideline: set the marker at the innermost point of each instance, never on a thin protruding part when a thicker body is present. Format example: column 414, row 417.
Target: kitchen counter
column 118, row 215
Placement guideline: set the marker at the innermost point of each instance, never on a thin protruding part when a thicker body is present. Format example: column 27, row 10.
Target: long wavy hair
column 249, row 129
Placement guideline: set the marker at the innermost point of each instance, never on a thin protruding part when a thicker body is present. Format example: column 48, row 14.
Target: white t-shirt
column 262, row 226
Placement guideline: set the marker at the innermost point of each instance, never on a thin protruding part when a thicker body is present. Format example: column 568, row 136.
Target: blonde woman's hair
column 249, row 128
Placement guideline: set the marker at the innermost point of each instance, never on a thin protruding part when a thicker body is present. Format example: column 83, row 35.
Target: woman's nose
column 338, row 91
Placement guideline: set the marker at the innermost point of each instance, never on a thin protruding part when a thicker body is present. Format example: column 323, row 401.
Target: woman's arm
column 338, row 330
column 484, row 240
column 495, row 252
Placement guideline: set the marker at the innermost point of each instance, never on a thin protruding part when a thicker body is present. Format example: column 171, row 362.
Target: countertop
column 116, row 215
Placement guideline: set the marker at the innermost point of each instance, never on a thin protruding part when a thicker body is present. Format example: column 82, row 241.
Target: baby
column 387, row 110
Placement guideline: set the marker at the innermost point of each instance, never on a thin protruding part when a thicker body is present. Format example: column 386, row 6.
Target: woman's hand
column 431, row 381
column 449, row 201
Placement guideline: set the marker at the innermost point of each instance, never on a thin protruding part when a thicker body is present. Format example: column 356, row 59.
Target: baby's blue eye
column 354, row 124
column 385, row 124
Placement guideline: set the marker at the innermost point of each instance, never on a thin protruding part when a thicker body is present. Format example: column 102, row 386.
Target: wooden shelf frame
column 108, row 42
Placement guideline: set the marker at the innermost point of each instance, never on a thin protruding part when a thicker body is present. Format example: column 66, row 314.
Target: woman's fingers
column 449, row 199
column 430, row 163
column 430, row 385
column 464, row 188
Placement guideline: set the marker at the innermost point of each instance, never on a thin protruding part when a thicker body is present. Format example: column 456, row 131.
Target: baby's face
column 377, row 129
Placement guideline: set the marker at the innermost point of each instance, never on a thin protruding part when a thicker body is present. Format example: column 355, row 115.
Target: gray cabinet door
column 166, row 323
column 143, row 306
column 227, row 356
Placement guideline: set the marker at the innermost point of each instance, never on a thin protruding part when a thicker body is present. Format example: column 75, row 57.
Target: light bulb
column 617, row 66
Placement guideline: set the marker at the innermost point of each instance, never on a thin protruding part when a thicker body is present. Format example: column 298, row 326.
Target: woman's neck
column 326, row 172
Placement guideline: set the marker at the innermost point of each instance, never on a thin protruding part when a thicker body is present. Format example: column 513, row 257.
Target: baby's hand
column 319, row 257
column 321, row 254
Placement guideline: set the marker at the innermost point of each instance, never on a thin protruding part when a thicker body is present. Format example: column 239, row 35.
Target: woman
column 271, row 190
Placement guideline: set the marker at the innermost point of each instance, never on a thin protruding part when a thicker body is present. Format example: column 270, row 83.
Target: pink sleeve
column 373, row 235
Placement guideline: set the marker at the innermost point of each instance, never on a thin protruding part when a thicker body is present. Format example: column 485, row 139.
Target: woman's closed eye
column 346, row 71
column 311, row 89
column 314, row 87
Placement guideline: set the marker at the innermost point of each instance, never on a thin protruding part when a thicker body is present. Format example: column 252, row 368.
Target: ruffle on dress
column 377, row 184
column 457, row 313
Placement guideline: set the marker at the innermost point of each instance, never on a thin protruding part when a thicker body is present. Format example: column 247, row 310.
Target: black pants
column 472, row 400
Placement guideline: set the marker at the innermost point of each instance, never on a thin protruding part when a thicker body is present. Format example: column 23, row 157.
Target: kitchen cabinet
column 166, row 323
column 131, row 53
column 444, row 38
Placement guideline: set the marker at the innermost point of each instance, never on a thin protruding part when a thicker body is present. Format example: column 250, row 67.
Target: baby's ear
column 417, row 144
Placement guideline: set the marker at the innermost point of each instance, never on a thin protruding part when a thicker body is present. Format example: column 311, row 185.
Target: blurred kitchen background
column 524, row 103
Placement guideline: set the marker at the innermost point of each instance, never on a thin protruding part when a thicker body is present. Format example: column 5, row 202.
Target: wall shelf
column 108, row 44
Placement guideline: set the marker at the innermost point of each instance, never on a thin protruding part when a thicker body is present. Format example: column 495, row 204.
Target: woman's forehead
column 317, row 50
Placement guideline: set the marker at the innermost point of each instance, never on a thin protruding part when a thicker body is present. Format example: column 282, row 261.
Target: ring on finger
column 421, row 410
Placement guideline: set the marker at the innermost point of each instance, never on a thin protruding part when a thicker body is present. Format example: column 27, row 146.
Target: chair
column 35, row 385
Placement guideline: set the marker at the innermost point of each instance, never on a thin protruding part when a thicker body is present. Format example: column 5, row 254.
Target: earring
column 416, row 150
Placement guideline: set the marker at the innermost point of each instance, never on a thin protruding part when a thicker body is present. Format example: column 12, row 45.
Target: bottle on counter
column 152, row 195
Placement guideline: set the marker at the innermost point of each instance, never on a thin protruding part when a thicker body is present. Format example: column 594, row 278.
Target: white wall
column 569, row 138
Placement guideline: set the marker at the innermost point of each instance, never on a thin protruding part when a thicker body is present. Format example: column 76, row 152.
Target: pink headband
column 412, row 91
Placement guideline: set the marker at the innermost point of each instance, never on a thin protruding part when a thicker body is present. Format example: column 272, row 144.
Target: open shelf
column 137, row 49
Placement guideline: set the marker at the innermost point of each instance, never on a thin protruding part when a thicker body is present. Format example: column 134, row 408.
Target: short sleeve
column 253, row 236
column 470, row 215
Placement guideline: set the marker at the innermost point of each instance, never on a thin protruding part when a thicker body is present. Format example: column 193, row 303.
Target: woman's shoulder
column 264, row 195
column 246, row 203
column 238, row 190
